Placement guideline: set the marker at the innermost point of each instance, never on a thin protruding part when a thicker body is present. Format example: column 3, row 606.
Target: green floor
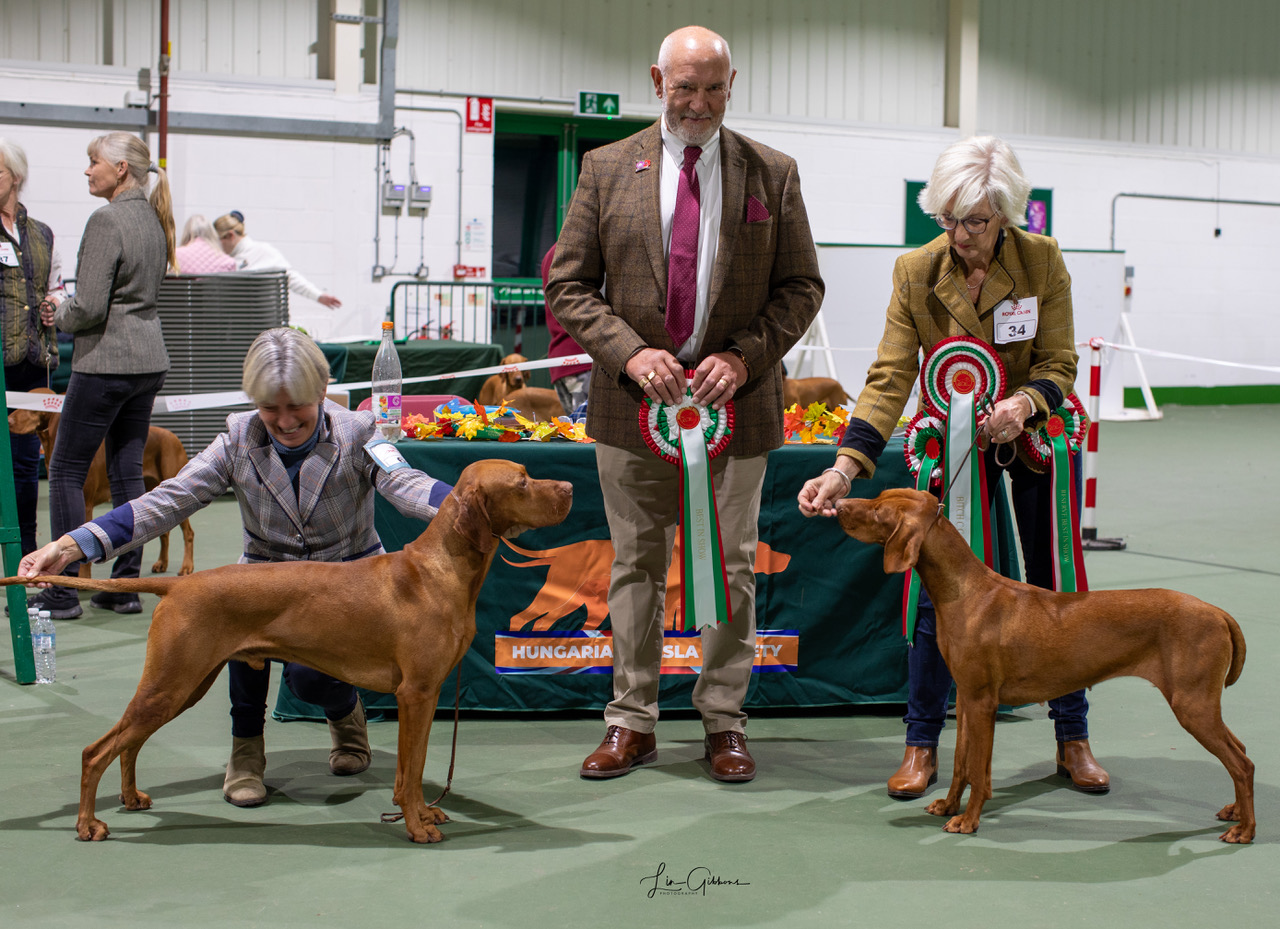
column 813, row 841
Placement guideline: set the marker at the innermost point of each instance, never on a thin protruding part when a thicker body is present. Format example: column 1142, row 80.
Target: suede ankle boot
column 243, row 785
column 350, row 736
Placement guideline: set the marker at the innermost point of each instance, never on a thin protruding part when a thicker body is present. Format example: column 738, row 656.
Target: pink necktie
column 682, row 262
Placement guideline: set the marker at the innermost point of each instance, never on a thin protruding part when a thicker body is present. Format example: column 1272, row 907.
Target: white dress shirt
column 709, row 206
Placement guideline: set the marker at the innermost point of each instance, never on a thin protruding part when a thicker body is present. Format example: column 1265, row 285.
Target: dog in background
column 1007, row 642
column 395, row 623
column 535, row 403
column 162, row 459
column 803, row 391
column 497, row 387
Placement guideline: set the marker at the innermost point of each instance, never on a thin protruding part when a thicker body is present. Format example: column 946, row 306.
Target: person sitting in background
column 570, row 381
column 259, row 256
column 30, row 289
column 200, row 251
column 305, row 483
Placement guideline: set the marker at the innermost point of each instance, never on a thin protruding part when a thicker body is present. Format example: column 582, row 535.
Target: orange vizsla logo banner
column 578, row 577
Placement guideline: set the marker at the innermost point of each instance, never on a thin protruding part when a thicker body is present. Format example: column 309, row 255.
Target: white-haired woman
column 30, row 289
column 951, row 287
column 305, row 484
column 200, row 252
column 251, row 255
column 119, row 363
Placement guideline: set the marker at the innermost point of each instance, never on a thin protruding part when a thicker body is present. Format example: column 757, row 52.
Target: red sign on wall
column 479, row 114
column 463, row 272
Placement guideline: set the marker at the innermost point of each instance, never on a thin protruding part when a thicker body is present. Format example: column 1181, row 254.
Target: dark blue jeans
column 25, row 453
column 928, row 679
column 249, row 694
column 115, row 408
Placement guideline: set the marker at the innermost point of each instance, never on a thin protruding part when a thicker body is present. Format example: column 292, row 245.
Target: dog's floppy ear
column 472, row 521
column 902, row 548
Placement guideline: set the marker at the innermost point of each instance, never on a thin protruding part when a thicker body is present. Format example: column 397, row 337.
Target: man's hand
column 659, row 374
column 717, row 378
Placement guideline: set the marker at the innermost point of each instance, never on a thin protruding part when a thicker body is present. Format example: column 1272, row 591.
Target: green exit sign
column 596, row 103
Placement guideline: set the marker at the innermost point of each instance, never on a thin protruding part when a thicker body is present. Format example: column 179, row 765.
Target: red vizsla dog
column 395, row 623
column 806, row 390
column 535, row 403
column 1011, row 643
column 497, row 387
column 162, row 458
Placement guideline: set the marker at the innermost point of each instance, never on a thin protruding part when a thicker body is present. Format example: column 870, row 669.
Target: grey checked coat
column 330, row 519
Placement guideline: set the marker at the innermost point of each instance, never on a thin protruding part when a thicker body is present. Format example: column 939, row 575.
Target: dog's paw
column 89, row 829
column 425, row 834
column 136, row 801
column 435, row 815
column 1228, row 813
column 961, row 825
column 940, row 808
column 1238, row 835
column 160, row 567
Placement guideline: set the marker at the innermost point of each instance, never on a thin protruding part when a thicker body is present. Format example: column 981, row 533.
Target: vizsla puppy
column 499, row 386
column 535, row 403
column 807, row 390
column 395, row 623
column 1011, row 643
column 162, row 458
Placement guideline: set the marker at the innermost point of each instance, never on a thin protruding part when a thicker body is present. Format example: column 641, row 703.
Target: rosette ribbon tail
column 1068, row 553
column 911, row 583
column 965, row 475
column 704, row 588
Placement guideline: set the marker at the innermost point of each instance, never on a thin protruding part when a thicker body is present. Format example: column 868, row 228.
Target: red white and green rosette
column 1053, row 445
column 922, row 446
column 689, row 435
column 953, row 358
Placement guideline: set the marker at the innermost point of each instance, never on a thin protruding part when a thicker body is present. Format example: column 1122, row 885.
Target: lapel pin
column 643, row 165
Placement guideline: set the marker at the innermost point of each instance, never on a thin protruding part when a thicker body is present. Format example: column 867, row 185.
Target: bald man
column 705, row 242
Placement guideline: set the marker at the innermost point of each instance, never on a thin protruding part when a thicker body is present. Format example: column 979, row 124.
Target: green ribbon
column 704, row 600
column 1068, row 563
column 911, row 588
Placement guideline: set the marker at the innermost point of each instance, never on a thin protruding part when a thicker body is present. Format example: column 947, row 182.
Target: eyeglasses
column 972, row 224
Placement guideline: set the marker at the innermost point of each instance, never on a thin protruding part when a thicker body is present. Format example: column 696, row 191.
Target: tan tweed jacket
column 764, row 292
column 930, row 303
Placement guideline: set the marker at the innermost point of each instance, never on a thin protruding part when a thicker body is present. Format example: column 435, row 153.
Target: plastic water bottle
column 387, row 386
column 44, row 644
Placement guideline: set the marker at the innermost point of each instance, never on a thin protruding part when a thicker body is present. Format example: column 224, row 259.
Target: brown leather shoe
column 620, row 751
column 729, row 758
column 1076, row 761
column 919, row 769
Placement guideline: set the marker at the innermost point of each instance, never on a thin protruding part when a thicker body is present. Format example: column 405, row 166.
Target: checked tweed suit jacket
column 608, row 282
column 330, row 519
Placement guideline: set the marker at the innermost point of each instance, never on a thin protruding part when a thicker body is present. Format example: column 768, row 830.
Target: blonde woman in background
column 120, row 362
column 200, row 251
column 259, row 256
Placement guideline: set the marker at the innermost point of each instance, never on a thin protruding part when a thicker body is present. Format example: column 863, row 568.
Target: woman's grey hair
column 971, row 169
column 197, row 227
column 15, row 162
column 285, row 359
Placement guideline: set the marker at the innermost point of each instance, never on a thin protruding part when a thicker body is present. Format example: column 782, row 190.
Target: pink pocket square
column 757, row 212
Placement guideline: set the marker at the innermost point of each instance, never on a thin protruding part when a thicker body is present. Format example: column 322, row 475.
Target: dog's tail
column 1237, row 649
column 148, row 585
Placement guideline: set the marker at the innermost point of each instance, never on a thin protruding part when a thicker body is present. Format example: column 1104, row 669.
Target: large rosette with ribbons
column 689, row 436
column 960, row 381
column 922, row 445
column 1053, row 447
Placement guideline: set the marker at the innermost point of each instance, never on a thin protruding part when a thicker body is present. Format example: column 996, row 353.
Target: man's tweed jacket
column 930, row 303
column 329, row 519
column 123, row 259
column 765, row 289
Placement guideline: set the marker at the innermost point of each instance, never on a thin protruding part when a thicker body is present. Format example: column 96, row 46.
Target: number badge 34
column 1016, row 320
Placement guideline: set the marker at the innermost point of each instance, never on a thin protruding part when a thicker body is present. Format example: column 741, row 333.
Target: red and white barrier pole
column 1088, row 520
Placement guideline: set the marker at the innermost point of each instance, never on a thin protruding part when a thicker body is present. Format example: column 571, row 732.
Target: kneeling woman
column 305, row 485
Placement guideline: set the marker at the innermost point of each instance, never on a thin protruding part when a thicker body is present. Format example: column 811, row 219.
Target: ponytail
column 116, row 147
column 162, row 202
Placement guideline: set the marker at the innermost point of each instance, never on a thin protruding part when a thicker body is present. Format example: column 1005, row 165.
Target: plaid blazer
column 765, row 289
column 330, row 519
column 123, row 259
column 930, row 303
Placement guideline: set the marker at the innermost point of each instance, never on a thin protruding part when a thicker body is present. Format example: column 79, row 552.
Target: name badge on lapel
column 8, row 256
column 1016, row 320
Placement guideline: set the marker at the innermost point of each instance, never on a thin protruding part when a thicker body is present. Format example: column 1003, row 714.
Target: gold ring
column 723, row 380
column 644, row 381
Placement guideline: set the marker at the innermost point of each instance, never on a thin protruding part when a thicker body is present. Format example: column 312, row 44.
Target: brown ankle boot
column 243, row 784
column 350, row 736
column 919, row 769
column 1076, row 761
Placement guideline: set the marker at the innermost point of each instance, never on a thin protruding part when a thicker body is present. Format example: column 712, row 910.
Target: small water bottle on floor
column 387, row 386
column 44, row 644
